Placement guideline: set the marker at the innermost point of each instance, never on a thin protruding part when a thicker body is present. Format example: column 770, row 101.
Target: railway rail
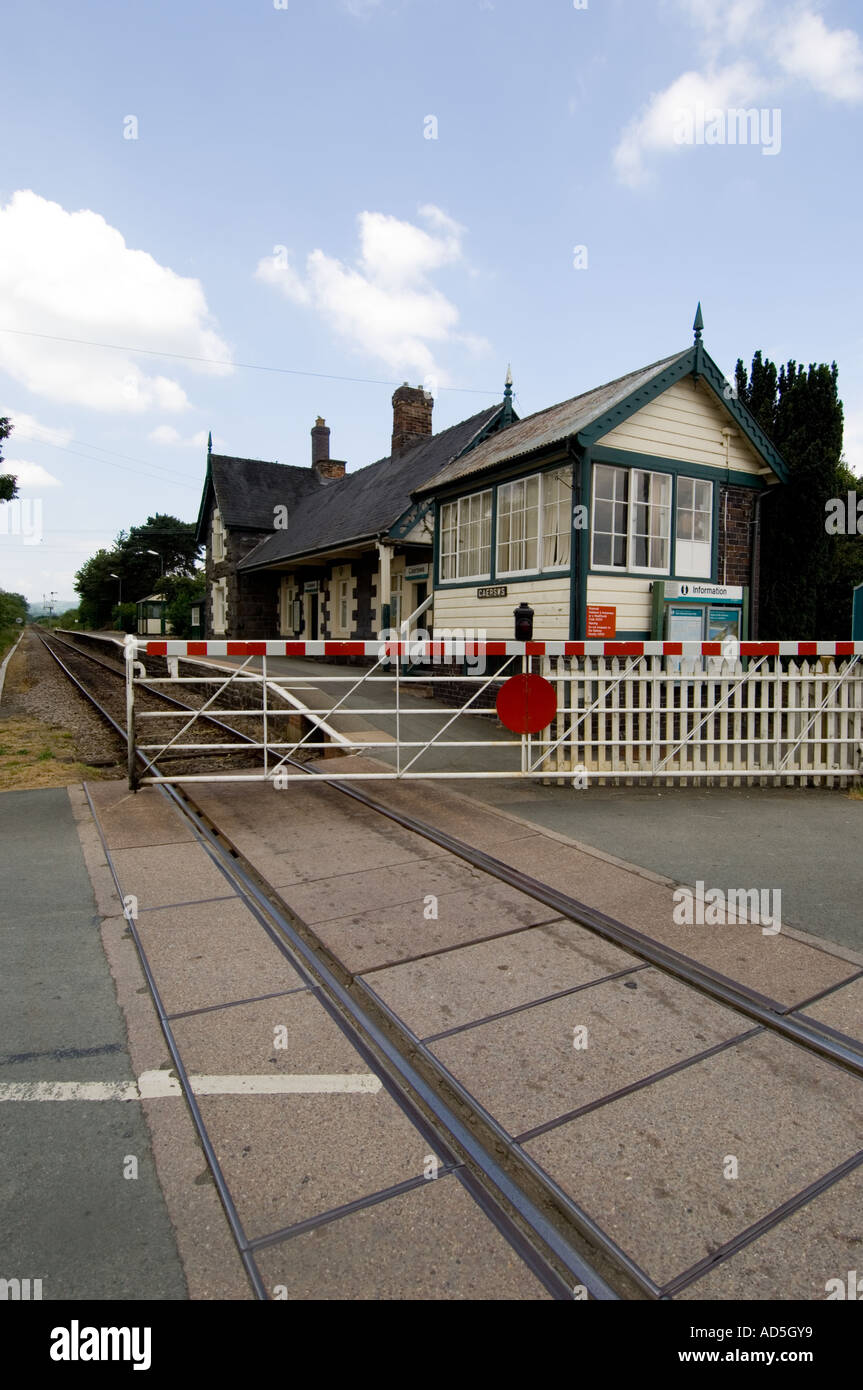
column 547, row 1227
column 206, row 727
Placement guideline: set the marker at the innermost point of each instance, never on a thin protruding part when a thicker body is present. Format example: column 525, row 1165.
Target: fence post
column 129, row 652
column 264, row 707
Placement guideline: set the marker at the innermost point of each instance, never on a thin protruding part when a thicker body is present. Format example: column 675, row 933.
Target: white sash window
column 465, row 538
column 694, row 528
column 631, row 520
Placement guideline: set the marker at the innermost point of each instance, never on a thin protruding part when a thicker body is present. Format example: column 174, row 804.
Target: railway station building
column 317, row 553
column 239, row 506
column 632, row 511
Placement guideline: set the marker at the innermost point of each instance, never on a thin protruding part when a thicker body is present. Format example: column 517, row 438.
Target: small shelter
column 152, row 616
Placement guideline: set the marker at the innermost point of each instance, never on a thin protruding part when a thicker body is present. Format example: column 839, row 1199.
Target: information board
column 601, row 622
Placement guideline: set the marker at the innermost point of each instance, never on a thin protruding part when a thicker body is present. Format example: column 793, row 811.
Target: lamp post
column 119, row 580
column 160, row 559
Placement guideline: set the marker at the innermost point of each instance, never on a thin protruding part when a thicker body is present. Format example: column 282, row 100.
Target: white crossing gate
column 732, row 713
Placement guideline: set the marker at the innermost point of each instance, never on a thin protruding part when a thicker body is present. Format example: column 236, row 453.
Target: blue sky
column 282, row 204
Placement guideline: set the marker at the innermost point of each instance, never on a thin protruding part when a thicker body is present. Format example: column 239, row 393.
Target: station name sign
column 492, row 591
column 732, row 592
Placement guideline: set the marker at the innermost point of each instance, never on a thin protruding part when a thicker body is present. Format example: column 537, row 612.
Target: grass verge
column 34, row 754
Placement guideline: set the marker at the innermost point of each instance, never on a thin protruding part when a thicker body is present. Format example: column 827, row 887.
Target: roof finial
column 698, row 325
column 209, row 443
column 507, row 416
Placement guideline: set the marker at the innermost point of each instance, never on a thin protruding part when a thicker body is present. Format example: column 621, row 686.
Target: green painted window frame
column 553, row 572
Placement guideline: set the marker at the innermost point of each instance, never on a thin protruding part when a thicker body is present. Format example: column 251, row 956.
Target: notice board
column 601, row 622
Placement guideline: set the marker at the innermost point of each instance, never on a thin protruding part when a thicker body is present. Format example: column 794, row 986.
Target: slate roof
column 247, row 490
column 369, row 501
column 546, row 427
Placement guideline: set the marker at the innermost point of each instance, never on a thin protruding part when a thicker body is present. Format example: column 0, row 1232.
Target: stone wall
column 253, row 599
column 365, row 582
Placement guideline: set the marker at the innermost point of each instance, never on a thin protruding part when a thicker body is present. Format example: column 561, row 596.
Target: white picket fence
column 764, row 721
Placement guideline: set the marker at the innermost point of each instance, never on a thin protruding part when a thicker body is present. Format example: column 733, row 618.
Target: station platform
column 71, row 1212
column 343, row 1196
column 636, row 1128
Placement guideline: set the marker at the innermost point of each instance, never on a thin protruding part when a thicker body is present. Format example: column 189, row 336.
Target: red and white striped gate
column 727, row 712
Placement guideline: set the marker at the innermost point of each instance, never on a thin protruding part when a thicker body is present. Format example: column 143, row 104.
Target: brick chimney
column 327, row 469
column 412, row 416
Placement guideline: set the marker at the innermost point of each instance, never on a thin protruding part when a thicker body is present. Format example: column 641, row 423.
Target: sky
column 235, row 216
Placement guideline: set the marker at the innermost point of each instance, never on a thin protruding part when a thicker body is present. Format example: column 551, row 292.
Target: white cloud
column 653, row 130
column 165, row 434
column 830, row 60
column 792, row 45
column 386, row 304
column 733, row 22
column 169, row 436
column 28, row 427
column 277, row 270
column 361, row 9
column 30, row 475
column 71, row 275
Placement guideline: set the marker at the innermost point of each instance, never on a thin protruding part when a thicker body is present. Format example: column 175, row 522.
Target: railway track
column 108, row 699
column 547, row 1227
column 437, row 1127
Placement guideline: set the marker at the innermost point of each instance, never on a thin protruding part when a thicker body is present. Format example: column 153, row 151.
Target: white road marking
column 153, row 1084
column 315, row 1084
column 69, row 1090
column 157, row 1084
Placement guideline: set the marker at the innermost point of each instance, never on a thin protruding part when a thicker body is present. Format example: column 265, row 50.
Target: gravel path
column 36, row 687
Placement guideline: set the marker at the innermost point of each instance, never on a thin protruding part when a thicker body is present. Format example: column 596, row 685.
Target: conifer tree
column 806, row 574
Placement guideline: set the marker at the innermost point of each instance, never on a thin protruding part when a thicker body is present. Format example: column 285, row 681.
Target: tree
column 99, row 591
column 12, row 607
column 846, row 570
column 8, row 481
column 13, row 616
column 140, row 573
column 804, row 572
column 183, row 592
column 124, row 617
column 757, row 391
column 172, row 539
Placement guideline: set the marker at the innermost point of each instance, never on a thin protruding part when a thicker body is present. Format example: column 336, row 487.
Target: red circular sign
column 526, row 704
